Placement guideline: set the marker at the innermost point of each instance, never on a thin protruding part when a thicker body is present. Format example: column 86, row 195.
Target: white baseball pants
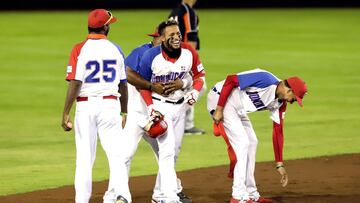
column 243, row 140
column 93, row 118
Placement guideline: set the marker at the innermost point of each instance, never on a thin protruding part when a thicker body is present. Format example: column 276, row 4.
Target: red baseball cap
column 155, row 34
column 100, row 17
column 299, row 88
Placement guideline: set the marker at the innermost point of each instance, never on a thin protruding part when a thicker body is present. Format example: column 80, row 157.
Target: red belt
column 104, row 97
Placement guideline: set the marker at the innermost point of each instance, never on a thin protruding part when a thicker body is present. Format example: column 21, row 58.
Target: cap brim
column 299, row 101
column 153, row 35
column 113, row 20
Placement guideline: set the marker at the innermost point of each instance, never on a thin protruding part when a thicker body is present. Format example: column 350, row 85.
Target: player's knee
column 254, row 142
column 244, row 145
column 166, row 155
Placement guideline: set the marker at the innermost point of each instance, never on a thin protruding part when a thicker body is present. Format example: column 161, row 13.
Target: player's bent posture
column 229, row 102
column 96, row 72
column 138, row 119
column 167, row 63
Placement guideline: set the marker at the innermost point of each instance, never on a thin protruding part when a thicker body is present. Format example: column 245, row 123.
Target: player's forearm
column 198, row 83
column 278, row 142
column 230, row 83
column 146, row 95
column 135, row 79
column 72, row 93
column 124, row 96
column 278, row 135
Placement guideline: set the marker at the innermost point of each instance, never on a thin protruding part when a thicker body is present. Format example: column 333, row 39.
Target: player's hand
column 191, row 97
column 218, row 115
column 153, row 114
column 66, row 123
column 158, row 88
column 284, row 176
column 172, row 86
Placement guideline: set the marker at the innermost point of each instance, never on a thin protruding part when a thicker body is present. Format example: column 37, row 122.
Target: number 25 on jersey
column 107, row 68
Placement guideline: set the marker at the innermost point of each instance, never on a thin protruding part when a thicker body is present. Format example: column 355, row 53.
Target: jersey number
column 109, row 72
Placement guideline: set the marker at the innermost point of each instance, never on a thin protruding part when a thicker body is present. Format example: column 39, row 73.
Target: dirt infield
column 325, row 179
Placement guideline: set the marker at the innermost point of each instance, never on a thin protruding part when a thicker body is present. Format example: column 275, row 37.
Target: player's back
column 256, row 89
column 100, row 66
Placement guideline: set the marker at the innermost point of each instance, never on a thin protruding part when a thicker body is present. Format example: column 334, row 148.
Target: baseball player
column 168, row 63
column 97, row 81
column 188, row 21
column 230, row 101
column 138, row 119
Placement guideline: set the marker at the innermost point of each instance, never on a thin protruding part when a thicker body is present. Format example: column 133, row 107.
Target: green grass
column 320, row 45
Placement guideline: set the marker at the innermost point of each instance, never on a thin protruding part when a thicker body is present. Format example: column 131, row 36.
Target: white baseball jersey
column 99, row 65
column 258, row 95
column 253, row 91
column 156, row 66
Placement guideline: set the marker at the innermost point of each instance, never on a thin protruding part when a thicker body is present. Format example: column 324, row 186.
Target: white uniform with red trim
column 99, row 65
column 156, row 66
column 255, row 92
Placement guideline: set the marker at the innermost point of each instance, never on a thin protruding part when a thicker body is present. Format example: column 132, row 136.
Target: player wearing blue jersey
column 229, row 102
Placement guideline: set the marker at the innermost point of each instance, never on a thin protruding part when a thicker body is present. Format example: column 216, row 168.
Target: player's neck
column 279, row 90
column 171, row 53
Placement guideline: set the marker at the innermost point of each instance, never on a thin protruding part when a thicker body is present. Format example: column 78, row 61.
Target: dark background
column 132, row 4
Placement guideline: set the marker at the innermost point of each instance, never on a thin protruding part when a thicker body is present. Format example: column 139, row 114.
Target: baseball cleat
column 194, row 131
column 262, row 200
column 184, row 198
column 121, row 199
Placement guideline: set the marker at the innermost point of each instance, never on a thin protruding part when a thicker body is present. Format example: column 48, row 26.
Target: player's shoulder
column 142, row 48
column 118, row 48
column 152, row 52
column 78, row 46
column 257, row 71
column 185, row 45
column 258, row 74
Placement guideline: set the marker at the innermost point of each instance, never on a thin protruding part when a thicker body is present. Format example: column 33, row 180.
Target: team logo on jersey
column 200, row 67
column 166, row 78
column 69, row 69
column 256, row 100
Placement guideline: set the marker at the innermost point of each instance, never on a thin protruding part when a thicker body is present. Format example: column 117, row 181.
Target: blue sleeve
column 145, row 65
column 133, row 60
column 122, row 54
column 256, row 79
column 119, row 48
